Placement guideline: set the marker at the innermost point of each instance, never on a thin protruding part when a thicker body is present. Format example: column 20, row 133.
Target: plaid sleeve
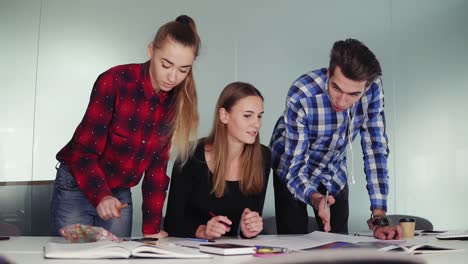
column 299, row 180
column 153, row 190
column 90, row 140
column 374, row 144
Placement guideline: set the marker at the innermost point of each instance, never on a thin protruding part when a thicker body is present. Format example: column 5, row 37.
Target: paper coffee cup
column 408, row 225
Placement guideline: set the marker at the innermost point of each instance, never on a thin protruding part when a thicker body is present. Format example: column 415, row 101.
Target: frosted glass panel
column 431, row 78
column 19, row 25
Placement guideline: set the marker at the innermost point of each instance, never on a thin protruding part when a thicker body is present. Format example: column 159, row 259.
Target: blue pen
column 202, row 240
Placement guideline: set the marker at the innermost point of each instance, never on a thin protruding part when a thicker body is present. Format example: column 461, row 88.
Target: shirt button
column 143, row 141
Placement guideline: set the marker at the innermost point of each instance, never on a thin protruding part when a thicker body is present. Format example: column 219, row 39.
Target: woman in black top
column 221, row 189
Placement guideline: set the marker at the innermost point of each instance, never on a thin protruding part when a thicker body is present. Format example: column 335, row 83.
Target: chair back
column 421, row 222
column 9, row 230
column 269, row 225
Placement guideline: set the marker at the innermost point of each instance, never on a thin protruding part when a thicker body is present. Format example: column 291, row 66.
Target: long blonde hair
column 251, row 178
column 185, row 119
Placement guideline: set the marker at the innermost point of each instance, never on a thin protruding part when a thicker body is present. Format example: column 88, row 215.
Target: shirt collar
column 325, row 87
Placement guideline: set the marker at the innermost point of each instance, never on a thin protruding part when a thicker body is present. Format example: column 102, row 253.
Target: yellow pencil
column 122, row 206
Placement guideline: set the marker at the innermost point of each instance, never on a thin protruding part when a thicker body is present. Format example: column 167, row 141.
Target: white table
column 30, row 250
column 444, row 258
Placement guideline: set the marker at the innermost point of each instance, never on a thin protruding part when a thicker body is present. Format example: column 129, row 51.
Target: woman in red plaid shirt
column 134, row 114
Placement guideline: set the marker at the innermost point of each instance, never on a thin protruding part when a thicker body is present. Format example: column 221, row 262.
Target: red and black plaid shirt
column 125, row 132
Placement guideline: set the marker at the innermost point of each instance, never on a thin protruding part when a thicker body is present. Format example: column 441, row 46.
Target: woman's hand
column 108, row 208
column 251, row 223
column 161, row 234
column 216, row 227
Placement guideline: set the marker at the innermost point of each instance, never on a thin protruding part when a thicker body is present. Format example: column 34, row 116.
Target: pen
column 361, row 235
column 270, row 250
column 146, row 240
column 326, row 202
column 122, row 206
column 213, row 215
column 143, row 239
column 199, row 239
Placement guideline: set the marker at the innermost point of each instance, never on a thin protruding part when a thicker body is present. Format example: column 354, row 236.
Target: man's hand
column 318, row 202
column 388, row 232
column 161, row 234
column 251, row 223
column 375, row 213
column 108, row 208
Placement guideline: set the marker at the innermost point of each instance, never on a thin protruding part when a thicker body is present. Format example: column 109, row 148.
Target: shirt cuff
column 307, row 193
column 379, row 205
column 150, row 229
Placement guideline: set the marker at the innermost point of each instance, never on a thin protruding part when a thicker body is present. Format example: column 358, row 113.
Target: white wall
column 52, row 51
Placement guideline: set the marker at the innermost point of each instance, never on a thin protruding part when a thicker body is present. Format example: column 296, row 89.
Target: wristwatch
column 377, row 220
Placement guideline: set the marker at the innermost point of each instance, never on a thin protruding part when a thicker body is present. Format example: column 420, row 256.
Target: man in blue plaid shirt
column 325, row 110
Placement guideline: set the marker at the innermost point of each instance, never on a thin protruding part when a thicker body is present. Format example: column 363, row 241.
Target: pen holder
column 408, row 225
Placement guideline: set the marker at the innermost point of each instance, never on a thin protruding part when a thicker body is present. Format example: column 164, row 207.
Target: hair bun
column 184, row 19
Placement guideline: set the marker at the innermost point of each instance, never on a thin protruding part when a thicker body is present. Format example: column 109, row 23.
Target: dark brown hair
column 355, row 60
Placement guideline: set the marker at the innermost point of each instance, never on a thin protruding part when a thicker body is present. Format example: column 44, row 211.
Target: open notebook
column 343, row 256
column 454, row 235
column 383, row 246
column 126, row 249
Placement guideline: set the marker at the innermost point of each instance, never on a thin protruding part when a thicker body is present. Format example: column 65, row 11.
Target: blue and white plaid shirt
column 310, row 140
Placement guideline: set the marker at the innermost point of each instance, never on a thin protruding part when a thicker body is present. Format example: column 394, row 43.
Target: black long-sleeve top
column 191, row 198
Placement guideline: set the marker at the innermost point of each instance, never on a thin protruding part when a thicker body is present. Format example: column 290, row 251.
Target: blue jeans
column 70, row 206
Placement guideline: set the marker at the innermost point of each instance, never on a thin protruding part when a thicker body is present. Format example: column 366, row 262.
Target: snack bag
column 79, row 233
